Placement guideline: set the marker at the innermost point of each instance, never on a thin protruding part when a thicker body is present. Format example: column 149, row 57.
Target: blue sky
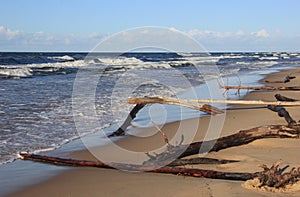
column 73, row 25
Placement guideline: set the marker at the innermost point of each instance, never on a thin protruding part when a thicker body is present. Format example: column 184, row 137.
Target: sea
column 37, row 89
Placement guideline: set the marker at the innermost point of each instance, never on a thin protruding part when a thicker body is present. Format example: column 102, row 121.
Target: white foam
column 242, row 63
column 62, row 58
column 16, row 72
column 185, row 54
column 45, row 149
column 293, row 54
column 269, row 58
column 26, row 69
column 120, row 61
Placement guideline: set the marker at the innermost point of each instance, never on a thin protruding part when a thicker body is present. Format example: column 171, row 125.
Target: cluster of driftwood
column 273, row 176
column 287, row 79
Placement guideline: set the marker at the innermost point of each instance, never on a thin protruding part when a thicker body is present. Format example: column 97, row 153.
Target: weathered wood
column 282, row 112
column 141, row 102
column 279, row 97
column 197, row 103
column 274, row 176
column 62, row 161
column 193, row 104
column 132, row 114
column 193, row 172
column 282, row 88
column 241, row 138
column 285, row 80
column 200, row 160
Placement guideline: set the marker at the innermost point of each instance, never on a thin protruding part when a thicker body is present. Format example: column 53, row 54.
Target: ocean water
column 37, row 89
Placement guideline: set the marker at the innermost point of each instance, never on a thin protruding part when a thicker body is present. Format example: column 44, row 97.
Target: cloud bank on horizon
column 260, row 40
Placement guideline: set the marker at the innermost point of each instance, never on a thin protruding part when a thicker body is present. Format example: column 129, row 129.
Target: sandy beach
column 85, row 181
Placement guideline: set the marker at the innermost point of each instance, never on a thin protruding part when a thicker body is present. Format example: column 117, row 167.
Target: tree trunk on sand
column 240, row 138
column 164, row 100
column 168, row 170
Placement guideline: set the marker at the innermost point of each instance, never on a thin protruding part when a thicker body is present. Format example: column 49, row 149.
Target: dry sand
column 104, row 182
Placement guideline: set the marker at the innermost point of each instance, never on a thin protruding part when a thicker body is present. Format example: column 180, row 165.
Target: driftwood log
column 132, row 114
column 281, row 88
column 272, row 177
column 171, row 101
column 165, row 100
column 193, row 104
column 240, row 138
column 168, row 170
column 279, row 97
column 281, row 111
column 285, row 80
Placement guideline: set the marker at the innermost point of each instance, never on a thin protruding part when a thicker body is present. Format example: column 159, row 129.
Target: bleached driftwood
column 193, row 104
column 198, row 105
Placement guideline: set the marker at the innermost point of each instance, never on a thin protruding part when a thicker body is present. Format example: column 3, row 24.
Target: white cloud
column 261, row 34
column 8, row 34
column 226, row 35
column 261, row 40
column 17, row 40
column 209, row 34
column 240, row 33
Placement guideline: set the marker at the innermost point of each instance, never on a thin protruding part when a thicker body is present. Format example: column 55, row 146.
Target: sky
column 218, row 25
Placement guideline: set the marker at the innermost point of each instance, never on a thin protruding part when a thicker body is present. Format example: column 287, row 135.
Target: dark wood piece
column 237, row 139
column 121, row 130
column 168, row 170
column 274, row 176
column 279, row 97
column 200, row 160
column 285, row 80
column 282, row 112
column 282, row 88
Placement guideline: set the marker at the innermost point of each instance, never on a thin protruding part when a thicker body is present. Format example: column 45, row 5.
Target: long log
column 193, row 172
column 193, row 104
column 246, row 137
column 272, row 177
column 241, row 138
column 281, row 88
column 197, row 103
column 139, row 105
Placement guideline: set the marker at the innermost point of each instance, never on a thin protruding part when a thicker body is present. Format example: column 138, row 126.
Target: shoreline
column 112, row 182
